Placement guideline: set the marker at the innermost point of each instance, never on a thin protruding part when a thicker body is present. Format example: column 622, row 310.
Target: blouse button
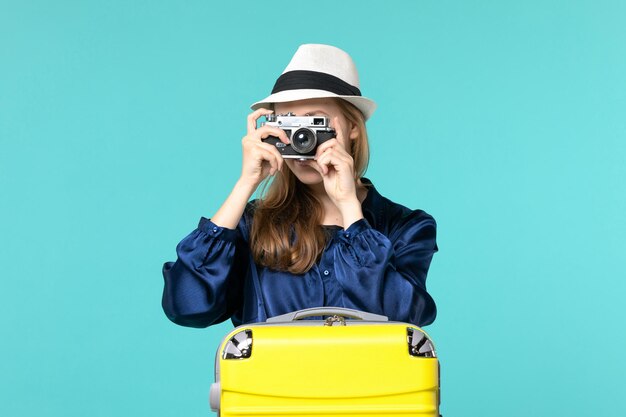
column 215, row 230
column 326, row 272
column 348, row 234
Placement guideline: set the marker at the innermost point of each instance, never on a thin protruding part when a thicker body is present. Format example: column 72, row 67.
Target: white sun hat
column 317, row 71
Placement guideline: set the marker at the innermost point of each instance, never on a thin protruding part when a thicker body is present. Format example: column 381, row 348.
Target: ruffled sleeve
column 387, row 274
column 204, row 286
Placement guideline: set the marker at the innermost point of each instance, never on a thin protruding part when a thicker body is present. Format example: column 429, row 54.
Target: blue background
column 120, row 125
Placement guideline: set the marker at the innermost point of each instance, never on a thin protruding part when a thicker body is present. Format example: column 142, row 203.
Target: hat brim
column 366, row 105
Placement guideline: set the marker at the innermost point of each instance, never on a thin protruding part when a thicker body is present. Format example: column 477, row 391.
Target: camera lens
column 303, row 141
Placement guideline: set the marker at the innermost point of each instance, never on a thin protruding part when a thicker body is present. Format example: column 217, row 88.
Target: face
column 322, row 107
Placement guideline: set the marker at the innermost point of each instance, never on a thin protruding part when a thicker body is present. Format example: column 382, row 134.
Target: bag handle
column 326, row 311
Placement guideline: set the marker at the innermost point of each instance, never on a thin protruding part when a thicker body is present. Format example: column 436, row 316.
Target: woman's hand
column 260, row 159
column 336, row 166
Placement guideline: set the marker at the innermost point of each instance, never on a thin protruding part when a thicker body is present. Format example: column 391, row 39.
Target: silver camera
column 305, row 134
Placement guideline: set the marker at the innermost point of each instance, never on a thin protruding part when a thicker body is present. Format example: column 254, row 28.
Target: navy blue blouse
column 378, row 264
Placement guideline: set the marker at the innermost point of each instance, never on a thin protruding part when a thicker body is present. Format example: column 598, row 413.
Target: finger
column 340, row 157
column 266, row 131
column 253, row 117
column 265, row 155
column 336, row 152
column 329, row 144
column 338, row 161
column 324, row 161
column 275, row 152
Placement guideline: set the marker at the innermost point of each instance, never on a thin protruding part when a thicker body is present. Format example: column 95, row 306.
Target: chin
column 310, row 179
column 304, row 174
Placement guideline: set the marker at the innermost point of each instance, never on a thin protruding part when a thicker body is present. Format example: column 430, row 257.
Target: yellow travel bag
column 352, row 363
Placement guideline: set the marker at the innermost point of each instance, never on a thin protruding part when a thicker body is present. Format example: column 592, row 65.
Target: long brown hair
column 286, row 233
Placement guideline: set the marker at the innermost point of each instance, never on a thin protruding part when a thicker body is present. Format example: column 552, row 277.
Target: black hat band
column 301, row 79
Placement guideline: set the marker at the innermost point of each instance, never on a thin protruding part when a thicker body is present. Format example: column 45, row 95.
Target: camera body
column 305, row 134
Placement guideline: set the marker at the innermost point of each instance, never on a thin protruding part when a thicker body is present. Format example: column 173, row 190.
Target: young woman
column 321, row 234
